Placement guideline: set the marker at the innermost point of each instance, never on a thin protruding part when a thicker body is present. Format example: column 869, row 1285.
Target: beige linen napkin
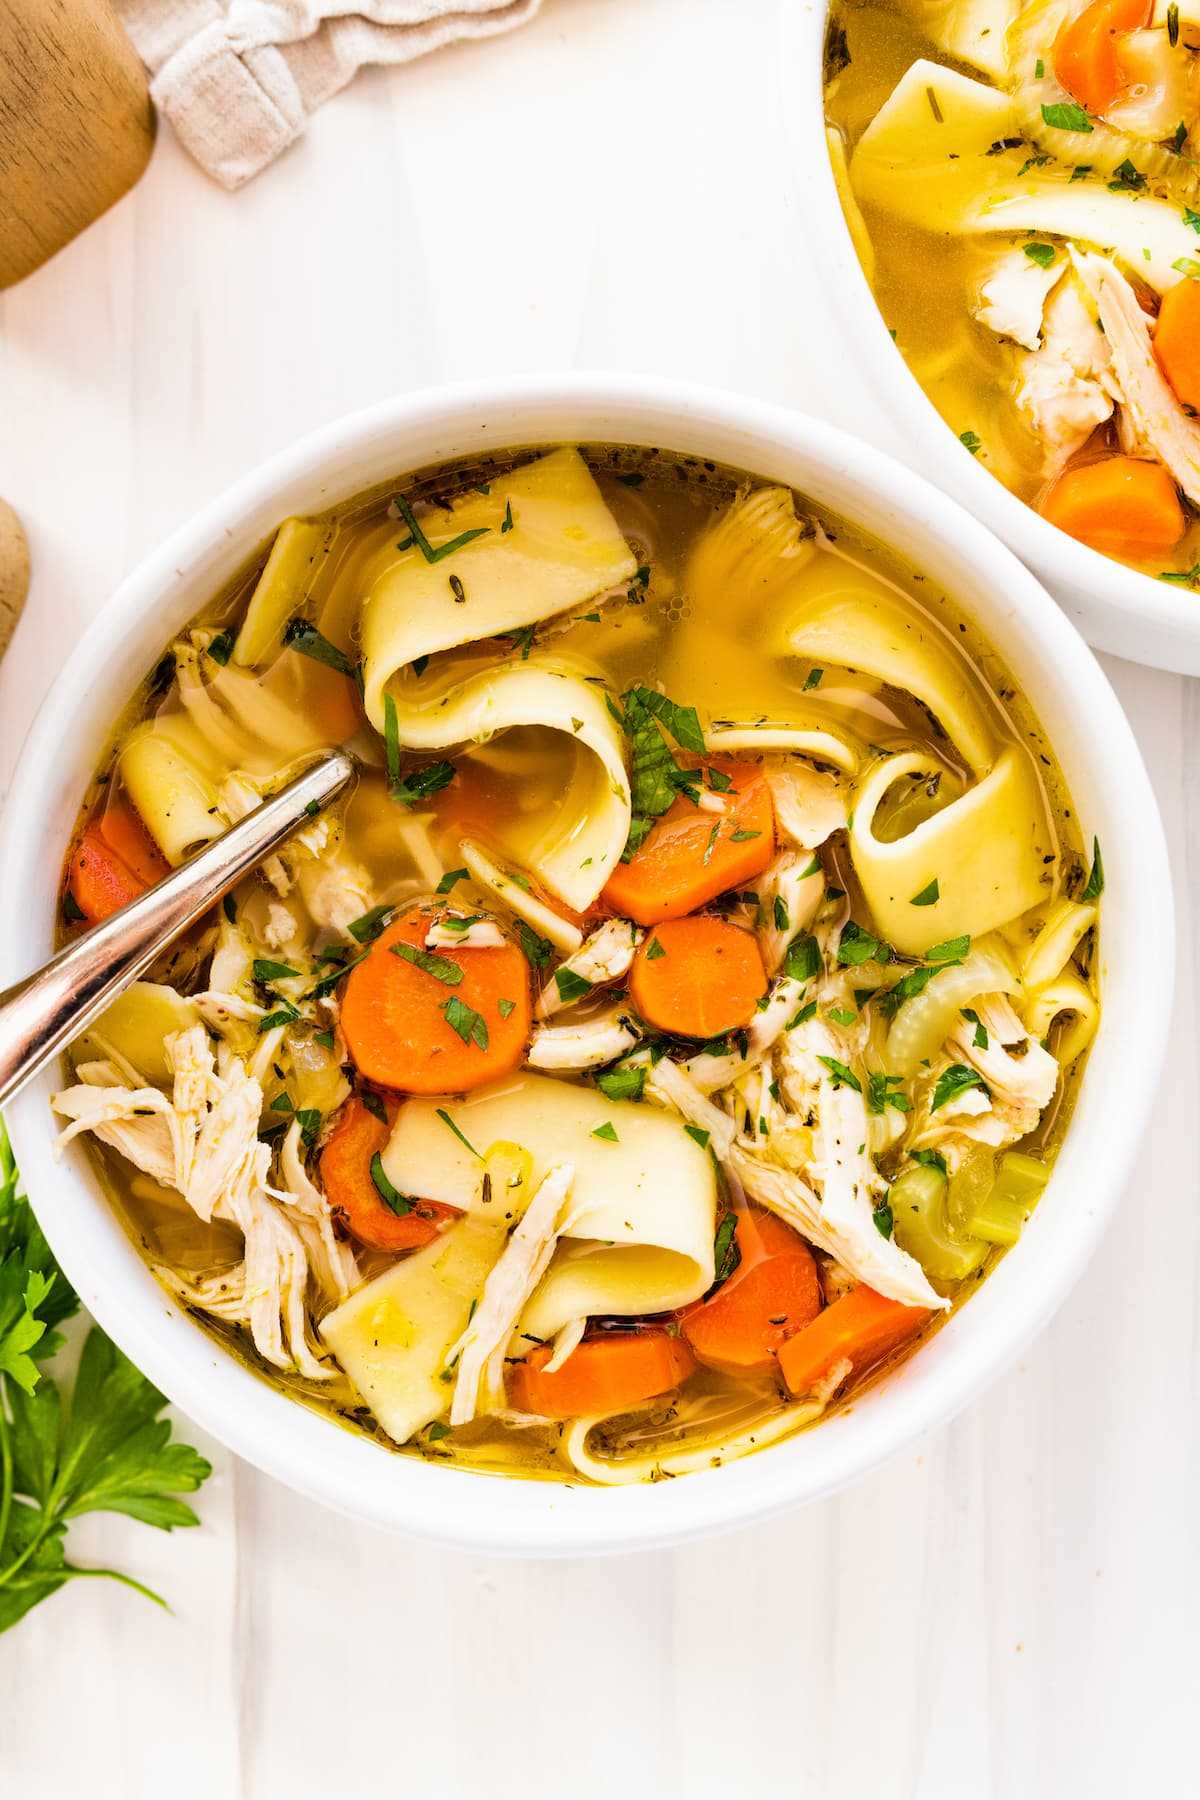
column 238, row 81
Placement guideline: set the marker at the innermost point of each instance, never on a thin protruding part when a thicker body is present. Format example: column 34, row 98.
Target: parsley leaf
column 446, row 884
column 465, row 1022
column 842, row 1076
column 857, row 946
column 440, row 967
column 623, row 1084
column 607, row 1131
column 302, row 636
column 956, row 1080
column 726, row 1254
column 803, row 959
column 1065, row 115
column 537, row 949
column 422, row 785
column 422, row 542
column 391, row 1196
column 930, row 1159
column 1041, row 254
column 571, row 987
column 700, row 1135
column 880, row 1095
column 1095, row 880
column 368, row 927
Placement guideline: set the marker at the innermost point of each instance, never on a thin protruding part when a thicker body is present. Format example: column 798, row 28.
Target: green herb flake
column 537, row 950
column 571, row 987
column 265, row 970
column 803, row 959
column 421, row 786
column 803, row 1016
column 841, row 1015
column 1065, row 115
column 980, row 1039
column 1127, row 179
column 422, row 542
column 882, row 1216
column 1039, row 70
column 440, row 967
column 1191, row 218
column 506, row 524
column 506, row 1008
column 448, row 1122
column 654, row 950
column 450, row 880
column 324, row 1038
column 956, row 1080
column 623, row 1084
column 743, row 837
column 1095, row 880
column 391, row 740
column 928, row 896
column 465, row 1022
column 391, row 1196
column 221, row 648
column 606, row 1132
column 73, row 912
column 972, row 441
column 726, row 1255
column 930, row 1159
column 812, row 680
column 1042, row 254
column 373, row 1104
column 303, row 637
column 880, row 1094
column 1173, row 24
column 857, row 946
column 952, row 951
column 840, row 1074
column 439, row 1429
column 366, row 928
column 780, row 913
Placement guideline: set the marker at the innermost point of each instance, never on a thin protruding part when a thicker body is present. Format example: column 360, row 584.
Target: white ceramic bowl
column 1116, row 608
column 1098, row 756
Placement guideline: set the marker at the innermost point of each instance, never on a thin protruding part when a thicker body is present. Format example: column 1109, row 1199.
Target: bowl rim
column 358, row 1476
column 1118, row 609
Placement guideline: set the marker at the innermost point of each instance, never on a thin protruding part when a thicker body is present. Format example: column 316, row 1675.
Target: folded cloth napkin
column 238, row 81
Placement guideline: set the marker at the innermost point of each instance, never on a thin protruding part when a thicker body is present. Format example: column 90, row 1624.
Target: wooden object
column 14, row 572
column 76, row 124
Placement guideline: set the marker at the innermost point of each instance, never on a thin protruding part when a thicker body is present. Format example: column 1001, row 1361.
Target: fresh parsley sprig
column 106, row 1451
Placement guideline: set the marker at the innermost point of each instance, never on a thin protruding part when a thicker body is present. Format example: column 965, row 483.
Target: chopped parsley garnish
column 803, row 959
column 73, row 912
column 423, row 784
column 324, row 1038
column 521, row 640
column 221, row 647
column 803, row 1016
column 856, row 946
column 571, row 986
column 228, row 907
column 506, row 1008
column 726, row 1255
column 327, row 983
column 444, row 1116
column 1042, row 254
column 624, row 1084
column 709, row 847
column 972, row 441
column 1081, row 171
column 607, row 1132
column 264, row 970
column 306, row 1117
column 465, row 1022
column 882, row 1216
column 1191, row 218
column 373, row 1104
column 1127, row 179
column 1065, row 115
column 439, row 1429
column 440, row 967
column 391, row 740
column 780, row 911
column 285, row 1015
column 956, row 1080
column 391, row 1196
column 928, row 896
column 841, row 1015
column 654, row 950
column 880, row 1095
column 980, row 1039
column 506, row 523
column 953, row 950
column 812, row 680
column 1178, row 139
column 743, row 837
column 450, row 879
column 305, row 638
column 422, row 542
column 699, row 1134
column 1095, row 880
column 1039, row 70
column 367, row 928
column 653, row 770
column 841, row 1075
column 537, row 949
column 930, row 1159
column 1173, row 24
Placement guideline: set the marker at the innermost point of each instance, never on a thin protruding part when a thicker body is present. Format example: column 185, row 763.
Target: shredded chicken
column 789, row 892
column 810, row 804
column 1160, row 426
column 1065, row 388
column 480, row 934
column 590, row 1045
column 606, row 955
column 203, row 1141
column 1012, row 297
column 479, row 1385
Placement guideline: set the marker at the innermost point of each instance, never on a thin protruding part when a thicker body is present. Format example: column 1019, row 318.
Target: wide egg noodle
column 639, row 1238
column 575, row 851
column 564, row 546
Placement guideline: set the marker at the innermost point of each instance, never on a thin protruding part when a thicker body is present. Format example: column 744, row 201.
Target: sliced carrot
column 345, row 1170
column 772, row 1294
column 1177, row 340
column 1087, row 58
column 692, row 855
column 114, row 861
column 608, row 1374
column 698, row 977
column 1120, row 505
column 452, row 1020
column 861, row 1328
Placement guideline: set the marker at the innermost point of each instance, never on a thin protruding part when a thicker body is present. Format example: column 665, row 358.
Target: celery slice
column 920, row 1226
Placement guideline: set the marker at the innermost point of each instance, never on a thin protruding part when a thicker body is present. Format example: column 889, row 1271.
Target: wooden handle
column 76, row 124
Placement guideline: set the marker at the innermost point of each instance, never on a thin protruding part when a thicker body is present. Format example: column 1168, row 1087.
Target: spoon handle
column 48, row 1009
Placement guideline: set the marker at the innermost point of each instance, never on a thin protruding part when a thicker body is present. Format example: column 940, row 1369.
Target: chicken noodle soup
column 1021, row 185
column 678, row 1018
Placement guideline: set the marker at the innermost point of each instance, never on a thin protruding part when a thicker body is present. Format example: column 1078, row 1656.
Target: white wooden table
column 1009, row 1612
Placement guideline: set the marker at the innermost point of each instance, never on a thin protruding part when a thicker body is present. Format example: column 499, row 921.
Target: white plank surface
column 1009, row 1612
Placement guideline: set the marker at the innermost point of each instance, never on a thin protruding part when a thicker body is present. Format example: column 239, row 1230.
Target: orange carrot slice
column 435, row 1022
column 691, row 855
column 1121, row 506
column 1177, row 340
column 698, row 977
column 355, row 1197
column 114, row 861
column 1087, row 57
column 861, row 1328
column 608, row 1374
column 772, row 1294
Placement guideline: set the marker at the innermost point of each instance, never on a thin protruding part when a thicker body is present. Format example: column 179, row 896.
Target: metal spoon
column 50, row 1008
